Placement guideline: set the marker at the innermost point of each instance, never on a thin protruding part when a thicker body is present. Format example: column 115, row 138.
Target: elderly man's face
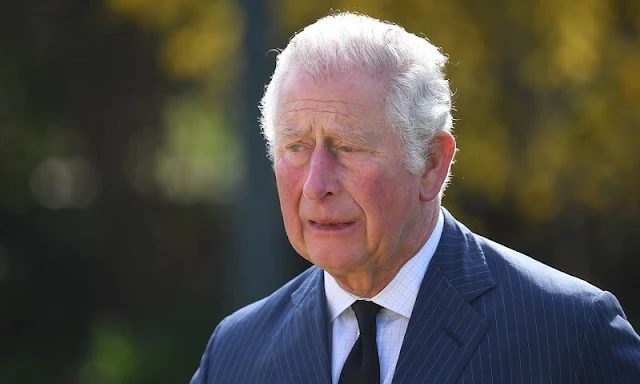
column 348, row 203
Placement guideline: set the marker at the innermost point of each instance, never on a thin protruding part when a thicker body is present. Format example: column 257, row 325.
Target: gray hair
column 418, row 99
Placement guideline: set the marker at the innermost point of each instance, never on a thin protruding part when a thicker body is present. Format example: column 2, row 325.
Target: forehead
column 352, row 100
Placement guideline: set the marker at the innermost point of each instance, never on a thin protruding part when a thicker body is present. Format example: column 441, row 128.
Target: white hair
column 418, row 98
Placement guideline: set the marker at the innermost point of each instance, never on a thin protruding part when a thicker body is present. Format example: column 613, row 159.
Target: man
column 358, row 118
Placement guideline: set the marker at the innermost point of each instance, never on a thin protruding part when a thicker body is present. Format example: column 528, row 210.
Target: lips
column 330, row 225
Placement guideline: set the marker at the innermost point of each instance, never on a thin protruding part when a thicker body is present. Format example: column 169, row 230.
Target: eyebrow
column 290, row 132
column 355, row 136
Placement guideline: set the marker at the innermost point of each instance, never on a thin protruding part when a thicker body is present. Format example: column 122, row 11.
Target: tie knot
column 366, row 312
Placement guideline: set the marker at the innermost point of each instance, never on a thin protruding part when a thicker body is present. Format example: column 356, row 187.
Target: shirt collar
column 400, row 294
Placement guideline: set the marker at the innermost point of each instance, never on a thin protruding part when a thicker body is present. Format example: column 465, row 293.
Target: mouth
column 330, row 225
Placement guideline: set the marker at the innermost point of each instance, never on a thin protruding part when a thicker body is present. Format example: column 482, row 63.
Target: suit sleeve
column 202, row 373
column 610, row 350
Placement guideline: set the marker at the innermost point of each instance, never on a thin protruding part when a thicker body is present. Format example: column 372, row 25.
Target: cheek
column 287, row 181
column 289, row 190
column 375, row 190
column 387, row 202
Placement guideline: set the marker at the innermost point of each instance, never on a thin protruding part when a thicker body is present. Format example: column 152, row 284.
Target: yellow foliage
column 571, row 36
column 539, row 195
column 577, row 143
column 199, row 36
column 484, row 161
column 626, row 73
column 547, row 93
column 152, row 14
column 193, row 50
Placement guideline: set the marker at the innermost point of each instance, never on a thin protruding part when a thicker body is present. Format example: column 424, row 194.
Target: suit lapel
column 301, row 352
column 444, row 329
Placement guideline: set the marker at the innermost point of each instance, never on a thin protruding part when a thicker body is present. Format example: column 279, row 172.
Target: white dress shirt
column 396, row 299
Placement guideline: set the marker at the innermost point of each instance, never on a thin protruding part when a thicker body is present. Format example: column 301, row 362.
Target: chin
column 334, row 263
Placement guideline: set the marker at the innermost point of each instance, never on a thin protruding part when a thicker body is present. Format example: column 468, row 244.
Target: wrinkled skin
column 349, row 204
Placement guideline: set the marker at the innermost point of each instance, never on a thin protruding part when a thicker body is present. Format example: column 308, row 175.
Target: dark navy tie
column 362, row 365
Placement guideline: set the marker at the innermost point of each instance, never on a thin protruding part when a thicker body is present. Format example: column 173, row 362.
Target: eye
column 295, row 147
column 346, row 149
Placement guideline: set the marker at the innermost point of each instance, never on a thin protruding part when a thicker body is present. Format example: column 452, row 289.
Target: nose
column 321, row 176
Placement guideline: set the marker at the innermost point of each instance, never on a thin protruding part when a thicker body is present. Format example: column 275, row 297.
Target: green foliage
column 111, row 357
column 148, row 95
column 199, row 159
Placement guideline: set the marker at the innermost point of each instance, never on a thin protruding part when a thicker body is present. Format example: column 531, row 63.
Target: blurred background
column 137, row 206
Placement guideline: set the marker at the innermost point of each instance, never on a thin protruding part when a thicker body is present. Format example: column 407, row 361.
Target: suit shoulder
column 268, row 310
column 245, row 337
column 518, row 270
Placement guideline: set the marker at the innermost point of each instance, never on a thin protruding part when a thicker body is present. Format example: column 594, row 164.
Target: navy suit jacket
column 484, row 314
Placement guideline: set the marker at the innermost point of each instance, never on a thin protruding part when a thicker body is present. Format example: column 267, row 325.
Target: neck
column 368, row 283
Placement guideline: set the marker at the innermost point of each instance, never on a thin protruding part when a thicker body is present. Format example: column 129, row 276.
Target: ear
column 437, row 168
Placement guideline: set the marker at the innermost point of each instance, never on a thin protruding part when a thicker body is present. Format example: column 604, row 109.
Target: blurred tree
column 123, row 149
column 546, row 97
column 545, row 91
column 202, row 40
column 92, row 264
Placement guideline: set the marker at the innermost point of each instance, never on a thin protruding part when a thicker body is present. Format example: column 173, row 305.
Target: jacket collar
column 443, row 332
column 444, row 329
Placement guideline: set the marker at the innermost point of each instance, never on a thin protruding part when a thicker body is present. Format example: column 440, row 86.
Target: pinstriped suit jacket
column 484, row 314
